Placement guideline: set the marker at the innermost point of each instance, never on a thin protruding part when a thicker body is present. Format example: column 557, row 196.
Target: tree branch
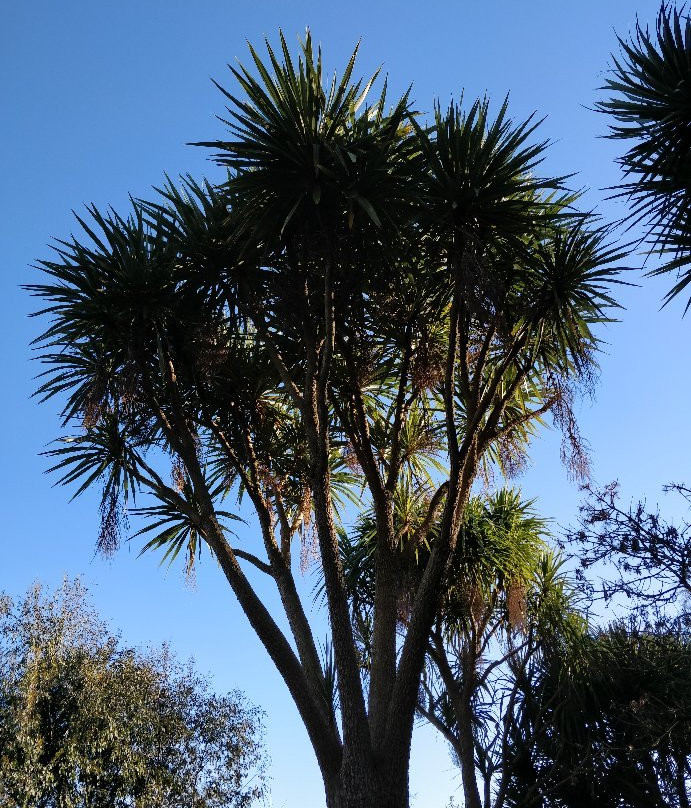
column 258, row 563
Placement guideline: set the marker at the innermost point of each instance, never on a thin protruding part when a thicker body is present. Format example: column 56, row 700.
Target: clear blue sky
column 98, row 100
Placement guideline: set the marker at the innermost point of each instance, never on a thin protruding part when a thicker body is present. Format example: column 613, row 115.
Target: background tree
column 505, row 594
column 364, row 296
column 485, row 644
column 606, row 722
column 86, row 723
column 651, row 556
column 540, row 706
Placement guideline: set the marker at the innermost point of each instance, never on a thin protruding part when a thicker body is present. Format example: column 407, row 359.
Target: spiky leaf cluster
column 605, row 721
column 193, row 324
column 649, row 89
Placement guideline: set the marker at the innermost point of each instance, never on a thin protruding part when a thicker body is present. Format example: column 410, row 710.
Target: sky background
column 98, row 101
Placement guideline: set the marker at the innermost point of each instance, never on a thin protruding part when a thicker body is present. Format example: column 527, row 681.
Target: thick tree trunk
column 361, row 787
column 364, row 780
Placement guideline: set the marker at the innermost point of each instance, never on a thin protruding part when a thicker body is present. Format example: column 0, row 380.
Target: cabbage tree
column 361, row 295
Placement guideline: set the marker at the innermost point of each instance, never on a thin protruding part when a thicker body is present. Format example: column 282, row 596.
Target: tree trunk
column 360, row 786
column 466, row 755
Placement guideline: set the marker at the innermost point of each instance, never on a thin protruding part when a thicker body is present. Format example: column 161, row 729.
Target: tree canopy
column 88, row 723
column 605, row 722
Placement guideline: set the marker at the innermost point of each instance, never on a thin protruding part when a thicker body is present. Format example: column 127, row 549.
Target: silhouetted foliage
column 650, row 555
column 606, row 722
column 650, row 100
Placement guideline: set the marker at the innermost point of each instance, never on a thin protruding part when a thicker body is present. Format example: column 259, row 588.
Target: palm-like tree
column 649, row 89
column 508, row 597
column 362, row 301
column 505, row 597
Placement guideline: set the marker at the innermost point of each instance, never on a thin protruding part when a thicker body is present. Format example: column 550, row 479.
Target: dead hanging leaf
column 305, row 512
column 512, row 455
column 486, row 475
column 211, row 349
column 404, row 606
column 191, row 566
column 428, row 362
column 178, row 474
column 516, row 604
column 574, row 448
column 96, row 404
column 350, row 459
column 130, row 380
column 473, row 601
column 112, row 519
column 93, row 412
column 309, row 549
